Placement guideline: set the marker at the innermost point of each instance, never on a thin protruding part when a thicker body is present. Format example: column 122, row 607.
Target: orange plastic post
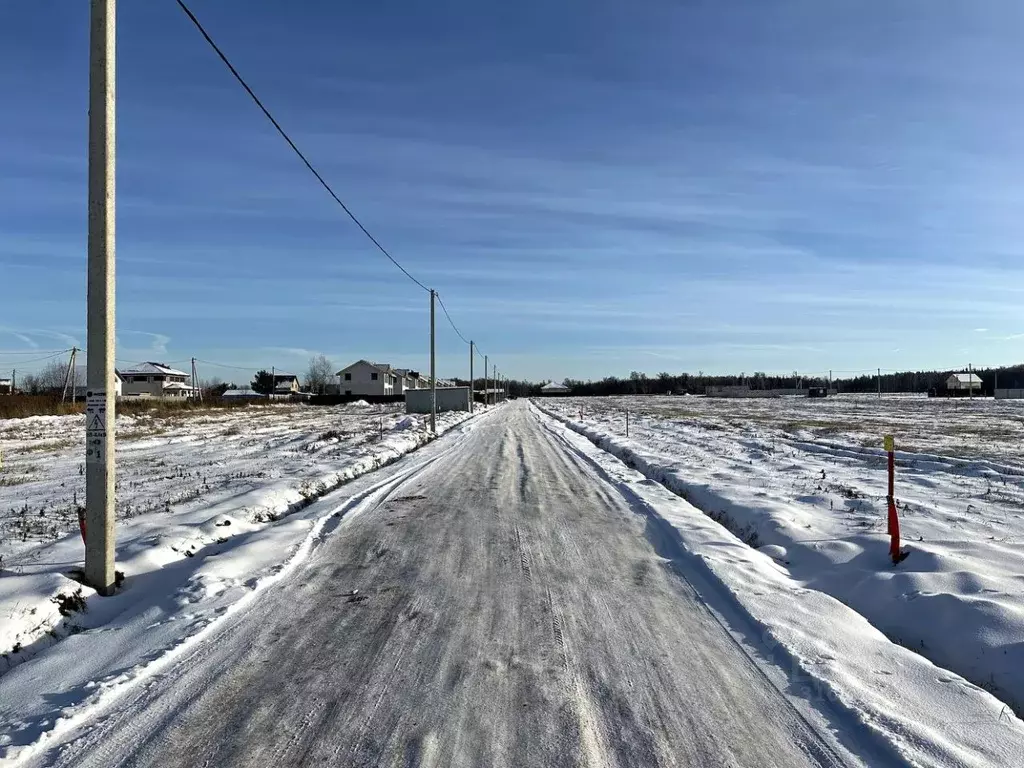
column 894, row 520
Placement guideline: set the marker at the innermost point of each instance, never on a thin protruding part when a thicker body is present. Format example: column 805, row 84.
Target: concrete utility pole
column 970, row 381
column 486, row 394
column 433, row 368
column 100, row 400
column 879, row 383
column 196, row 393
column 471, row 385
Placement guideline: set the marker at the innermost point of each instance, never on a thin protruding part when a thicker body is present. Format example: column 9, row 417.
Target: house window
column 348, row 377
column 373, row 377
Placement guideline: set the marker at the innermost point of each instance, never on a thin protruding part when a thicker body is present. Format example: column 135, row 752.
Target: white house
column 554, row 389
column 6, row 386
column 81, row 388
column 366, row 378
column 155, row 380
column 406, row 380
column 963, row 382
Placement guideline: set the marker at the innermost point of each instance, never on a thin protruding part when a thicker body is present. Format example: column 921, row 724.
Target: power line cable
column 41, row 359
column 291, row 143
column 34, row 351
column 450, row 321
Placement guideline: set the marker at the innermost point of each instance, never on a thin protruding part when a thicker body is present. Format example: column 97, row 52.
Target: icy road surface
column 499, row 607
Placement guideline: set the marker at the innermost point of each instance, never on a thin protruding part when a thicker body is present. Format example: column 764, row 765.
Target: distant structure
column 6, row 387
column 368, row 379
column 155, row 380
column 286, row 384
column 963, row 382
column 554, row 389
column 242, row 394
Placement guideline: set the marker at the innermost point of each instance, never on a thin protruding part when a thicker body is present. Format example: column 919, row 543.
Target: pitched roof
column 176, row 385
column 382, row 367
column 151, row 368
column 245, row 392
column 551, row 386
column 967, row 378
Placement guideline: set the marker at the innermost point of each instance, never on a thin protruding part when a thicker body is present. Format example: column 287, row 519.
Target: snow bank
column 185, row 565
column 820, row 495
column 921, row 714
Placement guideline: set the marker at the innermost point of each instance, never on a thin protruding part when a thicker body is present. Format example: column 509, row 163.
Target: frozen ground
column 510, row 595
column 189, row 483
column 805, row 481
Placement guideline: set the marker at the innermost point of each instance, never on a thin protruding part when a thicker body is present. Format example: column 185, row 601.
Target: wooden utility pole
column 879, row 383
column 100, row 398
column 472, row 386
column 69, row 377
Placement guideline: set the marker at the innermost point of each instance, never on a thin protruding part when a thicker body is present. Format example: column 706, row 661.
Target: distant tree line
column 639, row 383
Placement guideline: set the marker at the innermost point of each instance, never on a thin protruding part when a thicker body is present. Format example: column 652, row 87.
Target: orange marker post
column 894, row 520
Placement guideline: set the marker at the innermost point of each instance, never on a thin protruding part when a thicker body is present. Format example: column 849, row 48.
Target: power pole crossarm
column 100, row 470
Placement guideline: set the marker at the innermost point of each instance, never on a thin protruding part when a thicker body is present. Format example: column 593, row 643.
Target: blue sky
column 593, row 187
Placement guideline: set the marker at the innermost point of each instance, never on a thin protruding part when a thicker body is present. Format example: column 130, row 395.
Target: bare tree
column 319, row 374
column 51, row 378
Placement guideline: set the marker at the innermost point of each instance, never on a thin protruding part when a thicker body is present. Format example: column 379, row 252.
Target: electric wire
column 292, row 144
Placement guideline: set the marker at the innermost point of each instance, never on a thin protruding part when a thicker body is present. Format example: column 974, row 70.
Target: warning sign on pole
column 95, row 426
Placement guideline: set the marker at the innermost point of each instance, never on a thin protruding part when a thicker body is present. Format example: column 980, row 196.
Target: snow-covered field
column 189, row 484
column 805, row 481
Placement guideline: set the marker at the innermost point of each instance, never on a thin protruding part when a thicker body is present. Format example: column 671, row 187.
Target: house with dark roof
column 406, row 379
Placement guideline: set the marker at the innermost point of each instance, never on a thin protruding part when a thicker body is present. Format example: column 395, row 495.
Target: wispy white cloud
column 157, row 343
column 20, row 337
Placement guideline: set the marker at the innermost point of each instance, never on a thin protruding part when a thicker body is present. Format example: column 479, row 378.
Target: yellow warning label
column 890, row 444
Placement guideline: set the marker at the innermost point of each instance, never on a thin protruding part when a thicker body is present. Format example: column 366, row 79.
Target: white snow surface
column 804, row 480
column 210, row 505
column 827, row 652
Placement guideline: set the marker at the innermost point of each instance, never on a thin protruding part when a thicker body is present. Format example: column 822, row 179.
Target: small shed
column 448, row 399
column 963, row 382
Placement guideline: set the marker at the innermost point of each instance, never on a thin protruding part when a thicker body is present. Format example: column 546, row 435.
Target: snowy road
column 499, row 606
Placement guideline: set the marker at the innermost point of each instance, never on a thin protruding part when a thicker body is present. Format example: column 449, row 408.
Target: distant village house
column 554, row 389
column 286, row 384
column 963, row 382
column 155, row 380
column 366, row 378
